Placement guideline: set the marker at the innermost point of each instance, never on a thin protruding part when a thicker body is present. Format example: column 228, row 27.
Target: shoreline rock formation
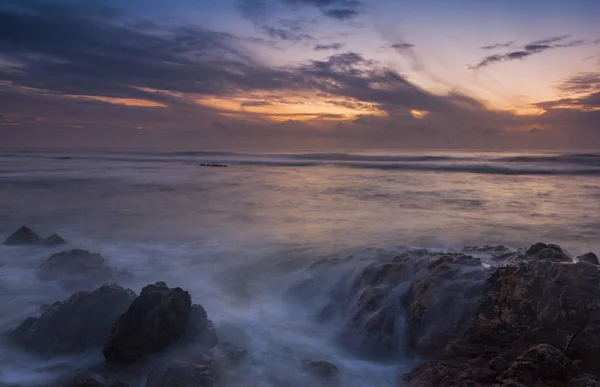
column 26, row 236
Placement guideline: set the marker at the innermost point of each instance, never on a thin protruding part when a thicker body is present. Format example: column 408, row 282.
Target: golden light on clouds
column 120, row 101
column 419, row 114
column 296, row 106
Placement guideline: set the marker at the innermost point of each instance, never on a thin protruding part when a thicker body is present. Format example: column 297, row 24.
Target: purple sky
column 293, row 74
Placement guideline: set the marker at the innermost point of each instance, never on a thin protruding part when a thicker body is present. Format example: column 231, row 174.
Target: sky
column 300, row 74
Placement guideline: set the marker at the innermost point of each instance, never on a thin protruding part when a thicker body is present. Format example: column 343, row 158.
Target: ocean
column 238, row 238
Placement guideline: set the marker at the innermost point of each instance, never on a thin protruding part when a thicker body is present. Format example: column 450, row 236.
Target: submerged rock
column 321, row 369
column 159, row 318
column 26, row 236
column 203, row 372
column 74, row 325
column 75, row 269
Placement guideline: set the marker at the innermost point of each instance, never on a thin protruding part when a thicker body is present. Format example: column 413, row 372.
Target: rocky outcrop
column 76, row 269
column 320, row 369
column 203, row 372
column 26, row 236
column 159, row 318
column 589, row 258
column 74, row 325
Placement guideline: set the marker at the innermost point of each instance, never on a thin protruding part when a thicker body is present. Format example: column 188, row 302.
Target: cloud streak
column 528, row 50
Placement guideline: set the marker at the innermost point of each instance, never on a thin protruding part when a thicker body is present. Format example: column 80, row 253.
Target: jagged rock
column 74, row 325
column 54, row 240
column 230, row 354
column 589, row 258
column 76, row 268
column 540, row 362
column 91, row 382
column 533, row 301
column 441, row 374
column 321, row 369
column 499, row 364
column 23, row 236
column 203, row 372
column 158, row 318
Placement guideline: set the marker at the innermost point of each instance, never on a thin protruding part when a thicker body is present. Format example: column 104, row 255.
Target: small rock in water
column 590, row 258
column 203, row 372
column 160, row 317
column 23, row 236
column 321, row 369
column 75, row 269
column 54, row 240
column 81, row 322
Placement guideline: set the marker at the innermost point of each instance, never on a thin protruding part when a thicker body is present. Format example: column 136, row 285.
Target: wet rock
column 534, row 301
column 91, row 382
column 230, row 355
column 320, row 369
column 540, row 362
column 23, row 236
column 440, row 374
column 203, row 372
column 534, row 250
column 74, row 325
column 75, row 269
column 499, row 364
column 589, row 258
column 54, row 240
column 160, row 317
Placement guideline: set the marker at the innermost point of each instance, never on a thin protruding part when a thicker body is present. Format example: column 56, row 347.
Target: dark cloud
column 334, row 9
column 581, row 83
column 532, row 48
column 283, row 34
column 324, row 47
column 498, row 45
column 402, row 46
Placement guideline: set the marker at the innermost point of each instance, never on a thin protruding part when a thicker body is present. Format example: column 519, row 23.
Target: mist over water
column 238, row 238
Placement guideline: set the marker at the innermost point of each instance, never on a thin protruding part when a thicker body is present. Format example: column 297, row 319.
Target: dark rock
column 158, row 318
column 321, row 369
column 538, row 247
column 230, row 354
column 499, row 364
column 440, row 374
column 23, row 236
column 534, row 301
column 74, row 325
column 589, row 258
column 91, row 382
column 75, row 269
column 54, row 240
column 540, row 362
column 204, row 372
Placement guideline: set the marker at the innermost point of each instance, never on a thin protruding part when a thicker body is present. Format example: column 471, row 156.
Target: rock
column 75, row 269
column 440, row 374
column 589, row 258
column 91, row 382
column 74, row 325
column 160, row 317
column 23, row 236
column 535, row 301
column 230, row 354
column 540, row 362
column 536, row 249
column 321, row 369
column 499, row 364
column 54, row 240
column 201, row 373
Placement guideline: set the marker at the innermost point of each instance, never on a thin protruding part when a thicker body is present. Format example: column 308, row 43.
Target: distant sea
column 237, row 237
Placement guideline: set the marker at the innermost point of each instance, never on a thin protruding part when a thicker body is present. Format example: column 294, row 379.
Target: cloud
column 324, row 47
column 402, row 46
column 532, row 48
column 334, row 9
column 498, row 45
column 581, row 83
